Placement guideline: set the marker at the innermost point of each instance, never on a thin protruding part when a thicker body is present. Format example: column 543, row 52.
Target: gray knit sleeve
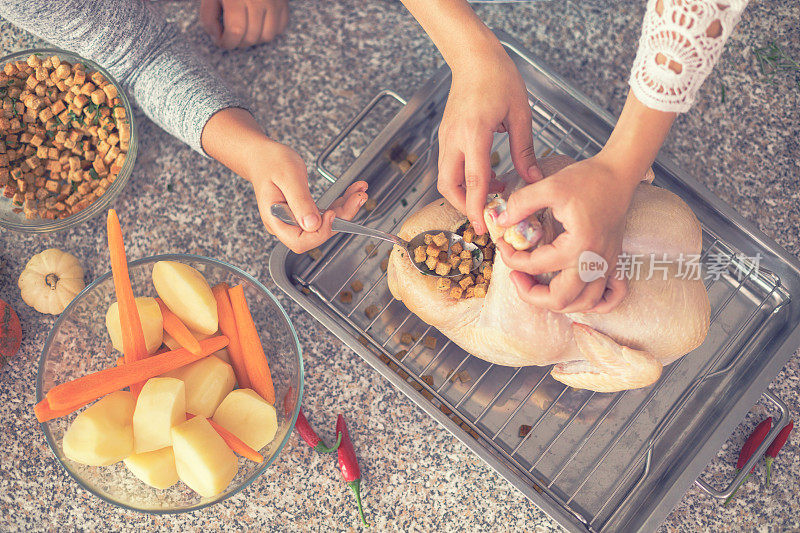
column 131, row 39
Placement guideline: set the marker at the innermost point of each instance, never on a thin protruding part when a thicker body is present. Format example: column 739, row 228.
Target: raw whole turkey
column 660, row 319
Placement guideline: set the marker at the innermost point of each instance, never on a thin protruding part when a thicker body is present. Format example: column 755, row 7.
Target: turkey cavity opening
column 467, row 285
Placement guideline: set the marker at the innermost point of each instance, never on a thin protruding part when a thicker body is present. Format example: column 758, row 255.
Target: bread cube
column 110, row 90
column 440, row 240
column 442, row 268
column 420, row 254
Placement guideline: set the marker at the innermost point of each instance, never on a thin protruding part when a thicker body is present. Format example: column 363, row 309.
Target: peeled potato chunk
column 161, row 405
column 150, row 316
column 248, row 416
column 156, row 468
column 103, row 433
column 203, row 461
column 208, row 381
column 187, row 294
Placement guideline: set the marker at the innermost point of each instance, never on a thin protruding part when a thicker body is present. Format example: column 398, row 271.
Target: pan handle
column 776, row 427
column 334, row 144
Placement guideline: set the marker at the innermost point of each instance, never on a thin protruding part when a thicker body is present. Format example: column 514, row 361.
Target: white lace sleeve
column 680, row 43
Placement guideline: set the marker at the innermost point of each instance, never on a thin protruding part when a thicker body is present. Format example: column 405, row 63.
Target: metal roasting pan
column 593, row 462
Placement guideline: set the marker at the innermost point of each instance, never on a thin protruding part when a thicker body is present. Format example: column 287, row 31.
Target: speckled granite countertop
column 333, row 58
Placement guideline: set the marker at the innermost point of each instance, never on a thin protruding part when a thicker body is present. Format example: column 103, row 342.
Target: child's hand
column 487, row 95
column 590, row 198
column 242, row 23
column 278, row 175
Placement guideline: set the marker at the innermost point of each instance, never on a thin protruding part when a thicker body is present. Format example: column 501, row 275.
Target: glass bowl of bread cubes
column 67, row 140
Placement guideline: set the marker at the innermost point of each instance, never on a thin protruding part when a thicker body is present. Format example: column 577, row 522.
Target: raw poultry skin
column 658, row 321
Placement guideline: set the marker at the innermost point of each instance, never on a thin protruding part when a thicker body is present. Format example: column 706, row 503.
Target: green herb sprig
column 77, row 118
column 772, row 61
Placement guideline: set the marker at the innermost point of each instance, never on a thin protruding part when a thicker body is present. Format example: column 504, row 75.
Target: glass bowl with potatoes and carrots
column 169, row 383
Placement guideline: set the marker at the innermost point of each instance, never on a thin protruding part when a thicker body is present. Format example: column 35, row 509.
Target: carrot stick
column 175, row 327
column 133, row 345
column 163, row 349
column 227, row 325
column 255, row 361
column 234, row 443
column 92, row 386
column 44, row 412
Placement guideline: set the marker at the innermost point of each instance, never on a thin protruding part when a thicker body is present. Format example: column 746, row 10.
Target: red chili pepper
column 750, row 446
column 304, row 428
column 310, row 436
column 775, row 447
column 348, row 464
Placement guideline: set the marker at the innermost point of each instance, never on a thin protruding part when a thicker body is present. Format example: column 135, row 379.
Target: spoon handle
column 281, row 212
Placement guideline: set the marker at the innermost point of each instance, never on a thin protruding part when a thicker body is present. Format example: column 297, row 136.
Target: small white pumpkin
column 51, row 280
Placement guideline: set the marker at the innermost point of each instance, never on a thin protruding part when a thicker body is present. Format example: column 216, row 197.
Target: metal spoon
column 282, row 212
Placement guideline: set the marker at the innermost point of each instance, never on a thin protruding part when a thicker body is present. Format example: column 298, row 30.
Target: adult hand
column 242, row 23
column 590, row 199
column 487, row 96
